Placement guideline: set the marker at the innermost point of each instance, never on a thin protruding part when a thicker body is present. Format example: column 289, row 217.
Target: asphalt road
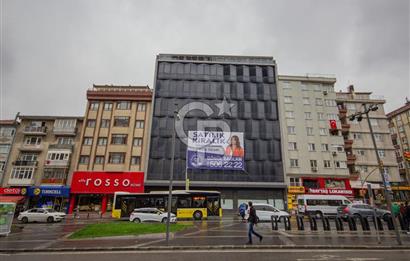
column 214, row 255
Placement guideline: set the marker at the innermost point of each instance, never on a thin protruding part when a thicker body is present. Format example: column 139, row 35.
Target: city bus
column 189, row 204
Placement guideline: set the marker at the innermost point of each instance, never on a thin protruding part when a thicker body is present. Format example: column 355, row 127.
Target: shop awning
column 11, row 199
column 357, row 184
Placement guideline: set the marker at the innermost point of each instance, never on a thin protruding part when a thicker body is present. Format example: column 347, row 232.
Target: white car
column 150, row 215
column 40, row 215
column 265, row 211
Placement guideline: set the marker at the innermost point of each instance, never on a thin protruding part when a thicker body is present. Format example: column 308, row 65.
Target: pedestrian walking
column 242, row 210
column 252, row 220
column 407, row 216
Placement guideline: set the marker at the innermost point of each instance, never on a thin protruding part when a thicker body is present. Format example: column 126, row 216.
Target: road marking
column 333, row 257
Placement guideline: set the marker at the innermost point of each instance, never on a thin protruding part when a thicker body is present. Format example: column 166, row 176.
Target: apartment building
column 313, row 145
column 7, row 134
column 399, row 124
column 113, row 145
column 40, row 162
column 361, row 158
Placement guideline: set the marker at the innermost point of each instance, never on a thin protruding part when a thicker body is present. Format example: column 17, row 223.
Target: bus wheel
column 197, row 215
column 137, row 220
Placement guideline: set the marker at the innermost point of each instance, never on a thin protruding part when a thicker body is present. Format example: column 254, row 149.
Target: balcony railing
column 65, row 131
column 61, row 146
column 25, row 163
column 20, row 182
column 348, row 144
column 31, row 147
column 351, row 159
column 39, row 130
column 345, row 127
column 57, row 163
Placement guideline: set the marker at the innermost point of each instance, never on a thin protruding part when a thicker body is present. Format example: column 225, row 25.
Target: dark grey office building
column 246, row 86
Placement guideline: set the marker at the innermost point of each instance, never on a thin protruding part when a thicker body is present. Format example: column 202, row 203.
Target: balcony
column 348, row 144
column 35, row 130
column 25, row 163
column 343, row 111
column 31, row 147
column 56, row 163
column 355, row 175
column 61, row 146
column 20, row 182
column 351, row 159
column 345, row 127
column 65, row 131
column 402, row 171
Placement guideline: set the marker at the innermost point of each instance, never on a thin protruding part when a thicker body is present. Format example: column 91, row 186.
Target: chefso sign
column 107, row 182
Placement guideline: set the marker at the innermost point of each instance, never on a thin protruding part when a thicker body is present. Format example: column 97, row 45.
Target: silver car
column 40, row 215
column 362, row 210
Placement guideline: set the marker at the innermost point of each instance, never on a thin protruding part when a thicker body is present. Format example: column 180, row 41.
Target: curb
column 225, row 247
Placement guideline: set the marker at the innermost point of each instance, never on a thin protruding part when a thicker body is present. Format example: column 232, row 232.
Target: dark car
column 361, row 210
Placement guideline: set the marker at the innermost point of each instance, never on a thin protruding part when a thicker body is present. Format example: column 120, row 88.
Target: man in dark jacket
column 407, row 215
column 252, row 220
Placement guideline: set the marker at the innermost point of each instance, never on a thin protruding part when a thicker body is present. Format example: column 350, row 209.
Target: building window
column 99, row 160
column 374, row 122
column 6, row 132
column 294, row 182
column 357, row 136
column 91, row 123
column 290, row 114
column 123, row 105
column 306, row 100
column 381, row 153
column 292, row 146
column 65, row 141
column 404, row 140
column 116, row 158
column 304, row 87
column 309, row 131
column 54, row 174
column 28, row 157
column 326, row 164
column 321, row 116
column 319, row 102
column 386, row 170
column 58, row 156
column 88, row 141
column 135, row 160
column 2, row 165
column 401, row 129
column 332, row 116
column 323, row 131
column 22, row 173
column 294, row 163
column 311, row 147
column 102, row 141
column 139, row 124
column 330, row 103
column 378, row 137
column 141, row 106
column 137, row 142
column 360, row 152
column 340, row 164
column 94, row 106
column 32, row 141
column 313, row 164
column 308, row 115
column 288, row 99
column 105, row 123
column 325, row 147
column 4, row 149
column 84, row 159
column 291, row 130
column 121, row 121
column 107, row 106
column 119, row 139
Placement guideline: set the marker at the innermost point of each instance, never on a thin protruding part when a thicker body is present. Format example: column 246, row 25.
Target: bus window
column 198, row 202
column 184, row 202
column 335, row 203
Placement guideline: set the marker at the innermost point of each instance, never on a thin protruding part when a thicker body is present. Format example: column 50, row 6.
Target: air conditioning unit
column 334, row 153
column 314, row 169
column 324, row 92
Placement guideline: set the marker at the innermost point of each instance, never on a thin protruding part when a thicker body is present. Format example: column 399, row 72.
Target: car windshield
column 50, row 210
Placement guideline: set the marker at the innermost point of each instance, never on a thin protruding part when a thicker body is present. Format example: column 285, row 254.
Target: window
column 137, row 142
column 28, row 157
column 102, row 141
column 116, row 158
column 323, row 131
column 294, row 182
column 304, row 87
column 357, row 136
column 119, row 139
column 88, row 141
column 123, row 105
column 404, row 140
column 65, row 141
column 99, row 159
column 306, row 101
column 386, row 170
column 325, row 147
column 91, row 123
column 290, row 114
column 360, row 152
column 313, row 163
column 139, row 124
column 58, row 156
column 340, row 164
column 94, row 106
column 311, row 147
column 288, row 99
column 378, row 137
column 308, row 115
column 350, row 106
column 309, row 131
column 84, row 159
column 121, row 121
column 7, row 132
column 319, row 102
column 292, row 146
column 135, row 160
column 107, row 106
column 321, row 116
column 294, row 163
column 326, row 164
column 338, row 148
column 381, row 153
column 105, row 124
column 318, row 88
column 32, row 141
column 401, row 129
column 2, row 164
column 59, row 174
column 4, row 148
column 291, row 130
column 332, row 116
column 141, row 106
column 22, row 173
column 330, row 103
column 374, row 122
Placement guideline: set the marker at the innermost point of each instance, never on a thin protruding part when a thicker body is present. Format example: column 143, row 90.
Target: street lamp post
column 387, row 194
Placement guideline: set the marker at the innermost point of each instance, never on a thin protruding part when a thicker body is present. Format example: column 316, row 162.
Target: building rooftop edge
column 398, row 110
column 308, row 78
column 49, row 117
column 121, row 86
column 217, row 55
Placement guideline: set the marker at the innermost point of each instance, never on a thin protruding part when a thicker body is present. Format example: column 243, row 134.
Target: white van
column 320, row 204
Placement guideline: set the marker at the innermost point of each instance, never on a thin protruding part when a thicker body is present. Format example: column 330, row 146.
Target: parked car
column 320, row 205
column 150, row 215
column 41, row 215
column 265, row 211
column 363, row 210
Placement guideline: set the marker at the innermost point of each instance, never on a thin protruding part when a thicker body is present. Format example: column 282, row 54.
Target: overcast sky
column 53, row 51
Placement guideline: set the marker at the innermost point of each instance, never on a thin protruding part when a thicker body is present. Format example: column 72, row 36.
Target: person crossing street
column 252, row 220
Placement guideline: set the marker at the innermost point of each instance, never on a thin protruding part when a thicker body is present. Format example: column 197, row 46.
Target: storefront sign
column 296, row 189
column 330, row 191
column 107, row 182
column 49, row 191
column 13, row 191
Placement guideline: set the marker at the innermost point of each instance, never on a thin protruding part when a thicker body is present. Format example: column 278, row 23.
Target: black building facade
column 238, row 90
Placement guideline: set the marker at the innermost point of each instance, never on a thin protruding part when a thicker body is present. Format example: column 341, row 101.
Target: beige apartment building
column 399, row 124
column 40, row 163
column 7, row 134
column 313, row 145
column 361, row 157
column 114, row 144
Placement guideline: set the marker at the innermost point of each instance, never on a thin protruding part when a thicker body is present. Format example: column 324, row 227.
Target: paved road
column 237, row 255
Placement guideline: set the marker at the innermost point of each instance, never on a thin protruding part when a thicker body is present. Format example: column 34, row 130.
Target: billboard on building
column 215, row 150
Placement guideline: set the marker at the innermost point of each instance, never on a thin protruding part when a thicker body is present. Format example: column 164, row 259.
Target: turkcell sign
column 215, row 150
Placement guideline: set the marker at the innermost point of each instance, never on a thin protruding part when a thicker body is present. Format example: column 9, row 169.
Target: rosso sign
column 107, row 182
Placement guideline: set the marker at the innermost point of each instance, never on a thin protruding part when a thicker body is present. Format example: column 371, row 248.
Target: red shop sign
column 332, row 191
column 10, row 191
column 107, row 182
